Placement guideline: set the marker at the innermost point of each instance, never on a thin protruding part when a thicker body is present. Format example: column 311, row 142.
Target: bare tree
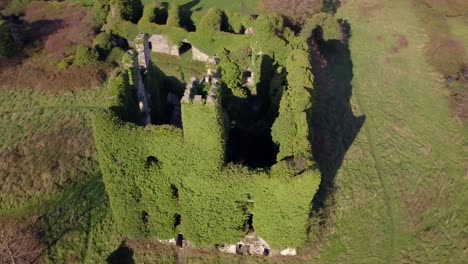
column 19, row 243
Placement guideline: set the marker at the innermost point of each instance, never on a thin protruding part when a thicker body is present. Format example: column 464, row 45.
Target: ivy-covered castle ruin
column 226, row 157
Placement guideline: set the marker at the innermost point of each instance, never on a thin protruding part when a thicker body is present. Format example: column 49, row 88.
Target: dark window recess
column 266, row 252
column 151, row 160
column 177, row 220
column 180, row 240
column 248, row 223
column 150, row 45
column 144, row 217
column 175, row 192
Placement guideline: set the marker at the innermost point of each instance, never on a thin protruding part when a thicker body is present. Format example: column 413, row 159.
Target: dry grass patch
column 41, row 74
column 59, row 26
column 51, row 31
column 449, row 7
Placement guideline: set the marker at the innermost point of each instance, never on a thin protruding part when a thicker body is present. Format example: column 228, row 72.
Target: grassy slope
column 400, row 189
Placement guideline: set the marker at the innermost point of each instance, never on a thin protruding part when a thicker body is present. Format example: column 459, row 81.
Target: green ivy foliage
column 185, row 178
column 211, row 21
column 103, row 44
column 330, row 27
column 291, row 128
column 230, row 71
column 159, row 174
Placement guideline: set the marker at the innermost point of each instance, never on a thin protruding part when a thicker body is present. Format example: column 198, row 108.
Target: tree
column 19, row 243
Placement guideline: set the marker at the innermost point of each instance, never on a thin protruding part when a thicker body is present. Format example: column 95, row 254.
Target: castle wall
column 162, row 44
column 199, row 55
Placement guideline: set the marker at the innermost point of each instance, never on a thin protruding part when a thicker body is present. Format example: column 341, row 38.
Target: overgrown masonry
column 163, row 180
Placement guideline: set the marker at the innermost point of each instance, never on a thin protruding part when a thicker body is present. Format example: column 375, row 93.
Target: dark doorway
column 184, row 48
column 177, row 220
column 180, row 240
column 175, row 192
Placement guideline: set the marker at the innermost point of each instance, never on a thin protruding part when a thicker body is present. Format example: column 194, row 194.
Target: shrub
column 130, row 10
column 211, row 21
column 8, row 47
column 115, row 55
column 63, row 64
column 103, row 44
column 85, row 56
column 330, row 27
column 231, row 73
column 100, row 11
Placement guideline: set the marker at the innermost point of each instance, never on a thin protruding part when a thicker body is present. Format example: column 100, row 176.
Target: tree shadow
column 185, row 14
column 251, row 118
column 122, row 255
column 334, row 126
column 160, row 86
column 161, row 14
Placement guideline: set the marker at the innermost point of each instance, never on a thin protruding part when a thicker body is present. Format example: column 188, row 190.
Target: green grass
column 401, row 189
column 46, row 144
column 179, row 69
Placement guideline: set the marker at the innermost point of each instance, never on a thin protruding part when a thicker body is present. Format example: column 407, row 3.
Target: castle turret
column 202, row 121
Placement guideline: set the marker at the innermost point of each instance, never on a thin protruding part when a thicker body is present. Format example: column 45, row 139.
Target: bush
column 103, row 44
column 63, row 64
column 115, row 55
column 85, row 56
column 100, row 11
column 130, row 10
column 330, row 27
column 211, row 21
column 231, row 73
column 8, row 47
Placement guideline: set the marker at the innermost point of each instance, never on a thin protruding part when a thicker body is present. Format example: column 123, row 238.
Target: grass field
column 400, row 193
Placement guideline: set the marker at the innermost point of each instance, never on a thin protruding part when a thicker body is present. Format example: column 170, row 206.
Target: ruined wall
column 163, row 181
column 143, row 50
column 162, row 44
column 199, row 55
